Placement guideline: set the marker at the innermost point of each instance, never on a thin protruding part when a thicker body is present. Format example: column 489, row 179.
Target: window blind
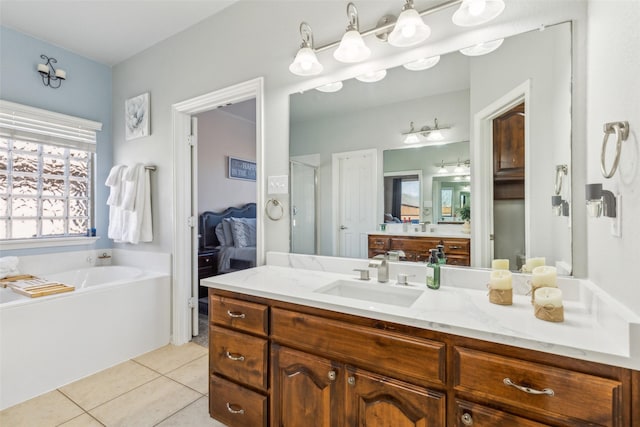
column 30, row 123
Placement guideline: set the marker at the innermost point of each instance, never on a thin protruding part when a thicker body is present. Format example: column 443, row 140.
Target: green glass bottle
column 433, row 270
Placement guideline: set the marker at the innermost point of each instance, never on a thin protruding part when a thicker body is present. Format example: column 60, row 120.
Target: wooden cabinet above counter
column 416, row 248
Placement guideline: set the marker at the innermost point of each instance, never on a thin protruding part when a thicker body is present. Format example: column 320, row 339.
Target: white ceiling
column 107, row 31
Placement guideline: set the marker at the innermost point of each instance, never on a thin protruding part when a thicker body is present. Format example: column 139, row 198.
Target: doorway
column 185, row 232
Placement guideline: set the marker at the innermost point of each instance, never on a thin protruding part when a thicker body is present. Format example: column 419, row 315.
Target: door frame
column 183, row 194
column 335, row 188
column 482, row 172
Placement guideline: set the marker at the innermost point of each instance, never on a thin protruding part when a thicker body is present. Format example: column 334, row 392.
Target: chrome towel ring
column 270, row 206
column 621, row 131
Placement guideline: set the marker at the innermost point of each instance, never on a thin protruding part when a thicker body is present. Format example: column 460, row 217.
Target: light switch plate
column 278, row 184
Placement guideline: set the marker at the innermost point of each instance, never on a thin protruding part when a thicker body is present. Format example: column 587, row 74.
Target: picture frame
column 242, row 169
column 137, row 117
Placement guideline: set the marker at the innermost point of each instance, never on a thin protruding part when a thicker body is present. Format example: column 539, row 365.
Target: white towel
column 136, row 222
column 130, row 187
column 114, row 181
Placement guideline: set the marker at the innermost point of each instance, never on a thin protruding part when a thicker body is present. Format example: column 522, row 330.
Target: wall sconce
column 603, row 203
column 432, row 134
column 408, row 30
column 305, row 62
column 50, row 76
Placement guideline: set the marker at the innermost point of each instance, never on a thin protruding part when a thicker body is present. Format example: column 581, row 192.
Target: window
column 46, row 173
column 446, row 205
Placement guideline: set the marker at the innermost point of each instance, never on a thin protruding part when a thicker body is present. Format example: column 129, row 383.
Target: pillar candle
column 544, row 276
column 533, row 263
column 61, row 74
column 500, row 279
column 500, row 264
column 549, row 297
column 43, row 68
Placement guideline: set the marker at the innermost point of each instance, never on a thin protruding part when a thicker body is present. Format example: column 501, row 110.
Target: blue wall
column 86, row 93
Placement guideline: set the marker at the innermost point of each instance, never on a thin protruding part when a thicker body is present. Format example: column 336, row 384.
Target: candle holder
column 501, row 296
column 549, row 312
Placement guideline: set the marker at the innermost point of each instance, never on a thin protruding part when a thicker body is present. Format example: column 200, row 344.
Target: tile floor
column 166, row 387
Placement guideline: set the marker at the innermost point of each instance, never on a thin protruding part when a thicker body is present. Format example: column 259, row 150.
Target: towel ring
column 271, row 203
column 621, row 130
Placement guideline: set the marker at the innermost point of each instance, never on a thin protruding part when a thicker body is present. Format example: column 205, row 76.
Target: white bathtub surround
column 596, row 327
column 48, row 342
column 151, row 261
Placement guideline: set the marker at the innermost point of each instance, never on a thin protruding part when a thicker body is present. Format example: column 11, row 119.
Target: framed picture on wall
column 242, row 169
column 137, row 117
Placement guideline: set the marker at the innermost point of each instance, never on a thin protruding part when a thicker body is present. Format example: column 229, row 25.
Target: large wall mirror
column 357, row 135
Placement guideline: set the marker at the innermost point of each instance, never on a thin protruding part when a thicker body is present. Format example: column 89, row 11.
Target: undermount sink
column 372, row 291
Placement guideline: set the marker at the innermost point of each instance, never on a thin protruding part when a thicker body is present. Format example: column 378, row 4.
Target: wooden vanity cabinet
column 331, row 369
column 416, row 248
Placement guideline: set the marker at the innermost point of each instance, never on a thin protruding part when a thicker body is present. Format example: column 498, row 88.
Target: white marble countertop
column 595, row 328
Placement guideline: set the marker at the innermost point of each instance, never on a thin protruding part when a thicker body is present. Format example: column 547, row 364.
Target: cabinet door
column 373, row 400
column 304, row 390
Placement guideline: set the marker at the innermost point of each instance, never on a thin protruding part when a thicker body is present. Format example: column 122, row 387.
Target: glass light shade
column 412, row 138
column 476, row 12
column 435, row 135
column 305, row 63
column 409, row 30
column 330, row 87
column 443, row 170
column 458, row 169
column 422, row 64
column 482, row 48
column 372, row 76
column 351, row 48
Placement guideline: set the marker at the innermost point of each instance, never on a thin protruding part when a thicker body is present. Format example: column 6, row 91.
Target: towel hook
column 621, row 130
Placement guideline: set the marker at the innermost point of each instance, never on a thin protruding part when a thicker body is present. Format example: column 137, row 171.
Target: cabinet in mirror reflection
column 465, row 94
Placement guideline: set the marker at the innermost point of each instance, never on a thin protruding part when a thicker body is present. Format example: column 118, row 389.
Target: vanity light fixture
column 476, row 12
column 461, row 167
column 482, row 48
column 352, row 47
column 432, row 134
column 330, row 87
column 372, row 76
column 50, row 76
column 306, row 63
column 409, row 29
column 422, row 64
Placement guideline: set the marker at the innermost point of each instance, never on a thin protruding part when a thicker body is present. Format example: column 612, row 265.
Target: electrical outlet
column 278, row 184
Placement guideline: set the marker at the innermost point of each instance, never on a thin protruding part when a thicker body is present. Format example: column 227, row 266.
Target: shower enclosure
column 303, row 207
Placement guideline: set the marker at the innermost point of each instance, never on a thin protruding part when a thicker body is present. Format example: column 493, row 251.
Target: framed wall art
column 137, row 117
column 242, row 169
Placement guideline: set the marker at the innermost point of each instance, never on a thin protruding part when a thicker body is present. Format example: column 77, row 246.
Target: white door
column 355, row 194
column 195, row 282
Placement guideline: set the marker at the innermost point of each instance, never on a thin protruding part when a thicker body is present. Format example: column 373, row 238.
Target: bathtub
column 115, row 313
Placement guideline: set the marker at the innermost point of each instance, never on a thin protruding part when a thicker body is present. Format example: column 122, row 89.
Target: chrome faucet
column 383, row 269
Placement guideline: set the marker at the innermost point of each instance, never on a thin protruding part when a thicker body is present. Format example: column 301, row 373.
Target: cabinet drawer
column 471, row 414
column 457, row 260
column 236, row 406
column 239, row 356
column 377, row 242
column 206, row 260
column 575, row 395
column 458, row 246
column 416, row 244
column 405, row 357
column 238, row 314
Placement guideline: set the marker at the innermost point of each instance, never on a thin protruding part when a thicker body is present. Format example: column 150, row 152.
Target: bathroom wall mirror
column 465, row 94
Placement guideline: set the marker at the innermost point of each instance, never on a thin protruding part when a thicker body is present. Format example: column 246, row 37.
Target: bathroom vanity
column 290, row 346
column 416, row 246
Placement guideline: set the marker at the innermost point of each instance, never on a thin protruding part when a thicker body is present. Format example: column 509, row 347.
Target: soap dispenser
column 433, row 270
column 442, row 259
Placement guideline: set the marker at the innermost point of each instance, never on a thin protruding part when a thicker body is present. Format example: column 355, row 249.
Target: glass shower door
column 303, row 208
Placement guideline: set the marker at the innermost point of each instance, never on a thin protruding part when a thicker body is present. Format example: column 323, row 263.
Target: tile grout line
column 181, row 409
